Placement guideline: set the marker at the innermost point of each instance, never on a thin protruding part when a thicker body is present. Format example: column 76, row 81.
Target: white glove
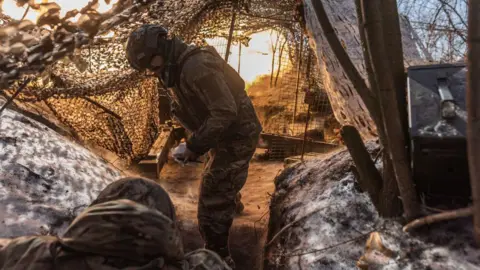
column 178, row 154
column 179, row 151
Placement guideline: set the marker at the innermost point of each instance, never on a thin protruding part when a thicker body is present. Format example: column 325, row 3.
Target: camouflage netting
column 346, row 103
column 80, row 76
column 79, row 72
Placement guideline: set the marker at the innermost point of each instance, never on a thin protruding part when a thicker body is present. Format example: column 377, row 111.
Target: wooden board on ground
column 160, row 149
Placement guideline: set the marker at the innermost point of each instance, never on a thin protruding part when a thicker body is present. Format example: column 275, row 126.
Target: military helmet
column 144, row 43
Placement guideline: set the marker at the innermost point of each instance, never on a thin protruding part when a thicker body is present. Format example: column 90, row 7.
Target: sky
column 255, row 60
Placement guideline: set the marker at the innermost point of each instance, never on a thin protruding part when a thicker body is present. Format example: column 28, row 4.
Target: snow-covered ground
column 336, row 219
column 45, row 179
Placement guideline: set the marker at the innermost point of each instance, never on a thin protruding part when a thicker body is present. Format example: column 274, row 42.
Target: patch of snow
column 336, row 218
column 45, row 179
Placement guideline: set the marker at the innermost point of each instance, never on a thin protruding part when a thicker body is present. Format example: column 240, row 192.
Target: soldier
column 131, row 225
column 209, row 100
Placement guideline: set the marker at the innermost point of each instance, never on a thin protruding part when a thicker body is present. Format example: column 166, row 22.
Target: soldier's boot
column 230, row 262
column 218, row 243
column 224, row 253
column 239, row 205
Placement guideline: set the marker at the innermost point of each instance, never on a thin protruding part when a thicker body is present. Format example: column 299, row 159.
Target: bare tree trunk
column 393, row 45
column 280, row 61
column 389, row 204
column 473, row 109
column 375, row 29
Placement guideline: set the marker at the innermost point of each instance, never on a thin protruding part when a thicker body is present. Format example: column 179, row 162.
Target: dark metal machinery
column 437, row 126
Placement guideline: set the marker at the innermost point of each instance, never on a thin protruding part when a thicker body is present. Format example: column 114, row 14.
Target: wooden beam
column 473, row 109
column 370, row 179
column 374, row 26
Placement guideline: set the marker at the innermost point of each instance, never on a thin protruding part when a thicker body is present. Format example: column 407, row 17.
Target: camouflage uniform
column 210, row 101
column 131, row 225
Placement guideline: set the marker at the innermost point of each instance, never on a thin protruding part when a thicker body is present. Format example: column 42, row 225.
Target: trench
column 249, row 230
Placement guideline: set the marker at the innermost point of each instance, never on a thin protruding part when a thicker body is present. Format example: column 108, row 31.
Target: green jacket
column 114, row 235
column 210, row 100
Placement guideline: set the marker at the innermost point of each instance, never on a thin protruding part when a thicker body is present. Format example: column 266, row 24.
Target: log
column 370, row 179
column 374, row 25
column 393, row 45
column 389, row 205
column 449, row 215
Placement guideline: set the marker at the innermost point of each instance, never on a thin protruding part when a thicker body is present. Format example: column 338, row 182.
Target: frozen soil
column 46, row 180
column 249, row 229
column 333, row 219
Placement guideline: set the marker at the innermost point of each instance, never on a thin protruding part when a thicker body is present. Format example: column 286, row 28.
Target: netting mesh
column 92, row 90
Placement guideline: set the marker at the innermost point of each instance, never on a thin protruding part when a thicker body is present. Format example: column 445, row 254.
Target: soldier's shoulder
column 200, row 61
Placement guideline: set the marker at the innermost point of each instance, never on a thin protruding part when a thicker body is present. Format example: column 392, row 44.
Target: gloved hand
column 183, row 155
column 189, row 156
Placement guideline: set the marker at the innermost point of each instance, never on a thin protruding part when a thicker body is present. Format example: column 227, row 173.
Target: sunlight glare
column 255, row 60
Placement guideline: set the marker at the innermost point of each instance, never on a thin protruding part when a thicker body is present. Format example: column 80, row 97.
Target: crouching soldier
column 131, row 225
column 209, row 100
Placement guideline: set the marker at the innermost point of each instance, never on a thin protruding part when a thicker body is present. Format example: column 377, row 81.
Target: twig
column 291, row 224
column 460, row 17
column 450, row 20
column 459, row 213
column 25, row 13
column 10, row 100
column 102, row 107
column 434, row 209
column 330, row 247
column 258, row 220
column 378, row 155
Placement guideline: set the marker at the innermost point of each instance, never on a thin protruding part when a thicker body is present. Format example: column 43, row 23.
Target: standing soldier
column 209, row 100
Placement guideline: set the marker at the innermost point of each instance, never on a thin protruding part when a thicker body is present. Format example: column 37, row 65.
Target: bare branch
column 464, row 212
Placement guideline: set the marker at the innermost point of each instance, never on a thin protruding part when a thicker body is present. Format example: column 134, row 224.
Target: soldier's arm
column 216, row 95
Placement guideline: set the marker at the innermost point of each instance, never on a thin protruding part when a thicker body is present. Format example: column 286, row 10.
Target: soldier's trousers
column 224, row 176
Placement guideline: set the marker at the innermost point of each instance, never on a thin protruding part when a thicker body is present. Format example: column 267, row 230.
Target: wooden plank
column 160, row 142
column 168, row 140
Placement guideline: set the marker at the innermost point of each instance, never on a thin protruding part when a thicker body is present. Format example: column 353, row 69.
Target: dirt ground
column 249, row 229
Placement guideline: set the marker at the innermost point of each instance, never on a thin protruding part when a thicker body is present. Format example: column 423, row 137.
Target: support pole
column 19, row 90
column 369, row 179
column 309, row 63
column 473, row 110
column 305, row 134
column 298, row 77
column 239, row 56
column 230, row 34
